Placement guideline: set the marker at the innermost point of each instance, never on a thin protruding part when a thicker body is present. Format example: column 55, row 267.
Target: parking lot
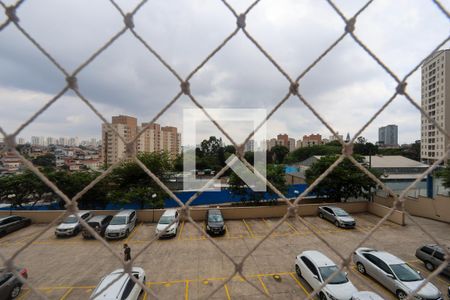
column 190, row 267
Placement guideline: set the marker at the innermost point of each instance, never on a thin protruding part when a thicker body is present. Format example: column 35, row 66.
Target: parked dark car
column 99, row 224
column 10, row 286
column 12, row 223
column 337, row 215
column 432, row 256
column 214, row 222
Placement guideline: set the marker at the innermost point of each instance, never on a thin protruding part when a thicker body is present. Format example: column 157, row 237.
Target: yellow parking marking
column 317, row 229
column 145, row 296
column 263, row 285
column 299, row 283
column 66, row 294
column 249, row 229
column 267, row 223
column 292, row 227
column 24, row 295
column 186, row 291
column 227, row 292
column 133, row 232
column 181, row 230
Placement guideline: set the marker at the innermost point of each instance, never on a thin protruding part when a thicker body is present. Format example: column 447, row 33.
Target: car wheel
column 322, row 296
column 401, row 294
column 337, row 223
column 15, row 291
column 361, row 268
column 297, row 270
column 429, row 266
column 321, row 215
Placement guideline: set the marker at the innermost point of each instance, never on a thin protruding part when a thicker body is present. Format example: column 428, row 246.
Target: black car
column 214, row 222
column 12, row 223
column 99, row 224
column 10, row 286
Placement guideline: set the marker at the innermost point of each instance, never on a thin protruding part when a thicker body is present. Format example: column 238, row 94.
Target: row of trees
column 127, row 183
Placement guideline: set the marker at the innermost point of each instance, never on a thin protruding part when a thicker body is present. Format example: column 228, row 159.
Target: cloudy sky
column 347, row 87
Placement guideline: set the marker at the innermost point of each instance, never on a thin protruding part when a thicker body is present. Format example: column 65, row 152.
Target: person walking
column 126, row 252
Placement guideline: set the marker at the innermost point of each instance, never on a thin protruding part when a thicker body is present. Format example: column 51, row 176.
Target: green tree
column 279, row 153
column 47, row 160
column 345, row 181
column 274, row 174
column 444, row 174
column 128, row 183
column 301, row 154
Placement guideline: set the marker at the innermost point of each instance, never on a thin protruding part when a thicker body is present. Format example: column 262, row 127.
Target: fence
column 293, row 89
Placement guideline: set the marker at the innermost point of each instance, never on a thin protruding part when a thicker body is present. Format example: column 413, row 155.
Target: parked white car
column 394, row 274
column 168, row 217
column 124, row 288
column 71, row 225
column 121, row 224
column 315, row 267
column 366, row 296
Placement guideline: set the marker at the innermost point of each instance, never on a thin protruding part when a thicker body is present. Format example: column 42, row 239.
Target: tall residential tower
column 436, row 102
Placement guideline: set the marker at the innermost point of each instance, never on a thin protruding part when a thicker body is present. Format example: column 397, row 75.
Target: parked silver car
column 432, row 256
column 121, row 225
column 394, row 274
column 71, row 225
column 337, row 215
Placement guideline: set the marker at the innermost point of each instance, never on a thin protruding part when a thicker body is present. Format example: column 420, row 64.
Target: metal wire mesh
column 292, row 89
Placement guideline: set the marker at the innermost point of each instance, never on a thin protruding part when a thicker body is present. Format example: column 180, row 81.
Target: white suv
column 121, row 224
column 168, row 217
column 124, row 288
column 71, row 225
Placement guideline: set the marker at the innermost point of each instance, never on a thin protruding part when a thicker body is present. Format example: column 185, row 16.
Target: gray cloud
column 347, row 87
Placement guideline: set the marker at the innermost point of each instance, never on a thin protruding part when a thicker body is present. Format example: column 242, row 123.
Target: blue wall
column 206, row 198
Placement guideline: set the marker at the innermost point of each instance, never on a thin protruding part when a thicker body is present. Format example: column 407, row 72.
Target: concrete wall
column 436, row 209
column 397, row 217
column 198, row 213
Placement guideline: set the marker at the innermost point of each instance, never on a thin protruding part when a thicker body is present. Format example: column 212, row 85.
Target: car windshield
column 405, row 272
column 341, row 213
column 118, row 220
column 70, row 219
column 166, row 219
column 326, row 272
column 215, row 218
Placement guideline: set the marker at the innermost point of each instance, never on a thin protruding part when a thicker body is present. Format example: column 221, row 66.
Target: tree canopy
column 345, row 181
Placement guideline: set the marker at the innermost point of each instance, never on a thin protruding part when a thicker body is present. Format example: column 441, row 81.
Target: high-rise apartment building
column 154, row 139
column 310, row 140
column 435, row 102
column 113, row 147
column 388, row 136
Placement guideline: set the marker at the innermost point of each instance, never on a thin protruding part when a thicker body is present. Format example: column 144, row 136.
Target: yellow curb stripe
column 299, row 283
column 227, row 292
column 249, row 229
column 66, row 294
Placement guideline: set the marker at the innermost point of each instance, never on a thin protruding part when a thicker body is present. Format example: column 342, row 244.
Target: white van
column 121, row 224
column 168, row 217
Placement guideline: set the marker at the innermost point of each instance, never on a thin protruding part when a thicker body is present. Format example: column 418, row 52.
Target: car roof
column 214, row 211
column 319, row 259
column 169, row 212
column 125, row 212
column 98, row 218
column 7, row 217
column 114, row 290
column 387, row 257
column 434, row 247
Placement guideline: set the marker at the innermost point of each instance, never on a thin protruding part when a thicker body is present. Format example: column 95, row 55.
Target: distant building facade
column 310, row 140
column 388, row 136
column 153, row 139
column 435, row 101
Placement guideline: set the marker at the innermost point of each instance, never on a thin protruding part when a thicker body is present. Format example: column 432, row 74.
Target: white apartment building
column 436, row 102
